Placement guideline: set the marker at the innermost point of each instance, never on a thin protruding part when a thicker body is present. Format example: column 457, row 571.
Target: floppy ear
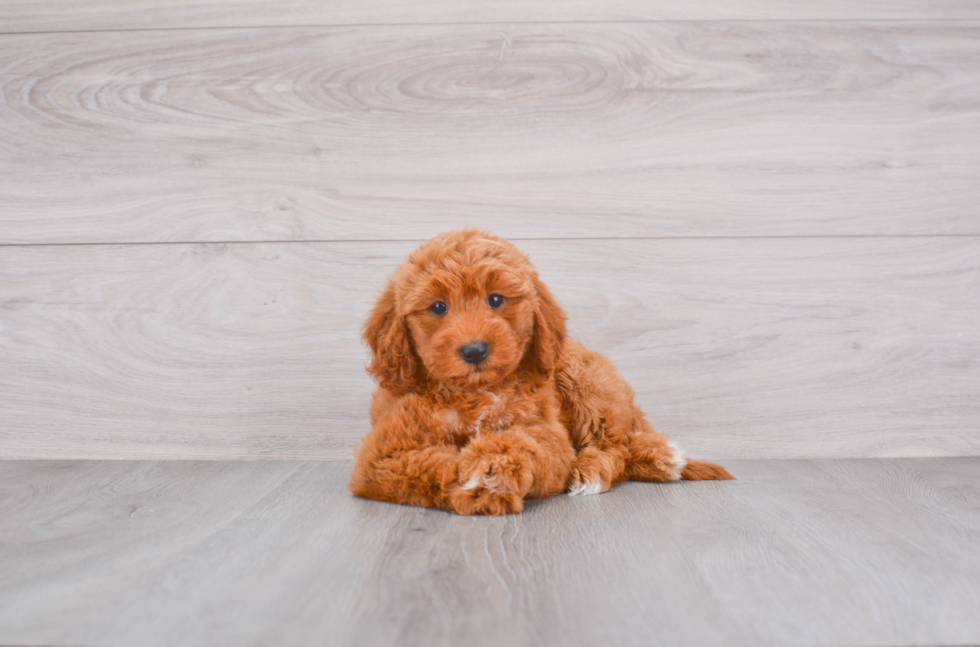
column 548, row 339
column 393, row 364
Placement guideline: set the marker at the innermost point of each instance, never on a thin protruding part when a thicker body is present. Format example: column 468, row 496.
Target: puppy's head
column 466, row 309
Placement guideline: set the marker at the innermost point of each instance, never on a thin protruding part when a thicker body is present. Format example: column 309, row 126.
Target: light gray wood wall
column 766, row 213
column 552, row 130
column 75, row 15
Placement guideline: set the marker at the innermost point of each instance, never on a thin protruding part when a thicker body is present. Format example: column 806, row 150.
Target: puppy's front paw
column 479, row 500
column 591, row 473
column 586, row 481
column 491, row 483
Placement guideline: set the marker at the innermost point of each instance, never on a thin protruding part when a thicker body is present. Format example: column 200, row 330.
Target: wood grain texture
column 77, row 15
column 738, row 348
column 543, row 130
column 865, row 552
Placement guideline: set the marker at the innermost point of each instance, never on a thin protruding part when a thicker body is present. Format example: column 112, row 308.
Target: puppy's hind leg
column 655, row 458
column 613, row 438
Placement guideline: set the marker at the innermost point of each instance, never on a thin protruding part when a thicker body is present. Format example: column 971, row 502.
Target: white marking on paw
column 595, row 487
column 584, row 489
column 678, row 461
column 494, row 483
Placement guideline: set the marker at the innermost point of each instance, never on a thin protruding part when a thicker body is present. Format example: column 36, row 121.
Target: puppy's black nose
column 475, row 352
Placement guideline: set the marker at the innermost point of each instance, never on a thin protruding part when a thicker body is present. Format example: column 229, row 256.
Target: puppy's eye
column 439, row 308
column 495, row 301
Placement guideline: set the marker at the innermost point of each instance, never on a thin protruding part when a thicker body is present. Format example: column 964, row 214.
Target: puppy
column 483, row 401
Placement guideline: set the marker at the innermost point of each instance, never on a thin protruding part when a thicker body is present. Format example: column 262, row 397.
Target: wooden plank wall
column 766, row 213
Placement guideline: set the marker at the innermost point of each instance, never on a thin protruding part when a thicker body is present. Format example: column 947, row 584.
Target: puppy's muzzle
column 475, row 352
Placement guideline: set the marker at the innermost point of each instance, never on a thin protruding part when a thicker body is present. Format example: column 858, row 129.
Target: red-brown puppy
column 483, row 401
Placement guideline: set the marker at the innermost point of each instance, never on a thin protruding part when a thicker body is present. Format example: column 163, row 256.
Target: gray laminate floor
column 805, row 552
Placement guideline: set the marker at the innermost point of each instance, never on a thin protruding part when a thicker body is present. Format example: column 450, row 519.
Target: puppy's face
column 466, row 309
column 471, row 325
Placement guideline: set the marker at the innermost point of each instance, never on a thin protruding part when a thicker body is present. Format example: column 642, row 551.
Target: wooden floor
column 806, row 552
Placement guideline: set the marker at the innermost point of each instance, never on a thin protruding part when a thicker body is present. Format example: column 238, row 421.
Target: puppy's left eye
column 495, row 301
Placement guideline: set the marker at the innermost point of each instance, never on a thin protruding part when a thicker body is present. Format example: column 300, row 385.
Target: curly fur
column 539, row 416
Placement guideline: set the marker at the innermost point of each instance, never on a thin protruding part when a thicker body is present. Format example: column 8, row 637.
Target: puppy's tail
column 703, row 471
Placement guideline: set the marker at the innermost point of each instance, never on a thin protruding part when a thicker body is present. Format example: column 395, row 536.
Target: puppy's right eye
column 438, row 308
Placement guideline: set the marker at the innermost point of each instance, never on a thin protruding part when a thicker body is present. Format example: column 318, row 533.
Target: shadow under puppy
column 484, row 401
